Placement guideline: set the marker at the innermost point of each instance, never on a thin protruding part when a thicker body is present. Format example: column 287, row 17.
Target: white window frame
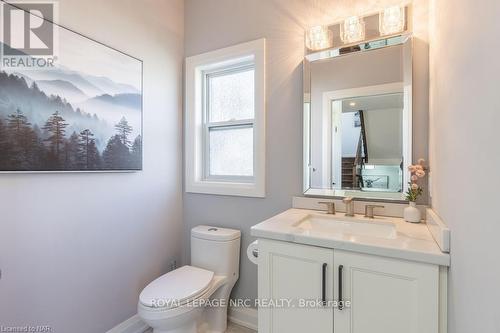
column 198, row 67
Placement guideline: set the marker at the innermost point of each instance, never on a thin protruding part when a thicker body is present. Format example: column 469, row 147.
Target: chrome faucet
column 330, row 206
column 369, row 210
column 349, row 206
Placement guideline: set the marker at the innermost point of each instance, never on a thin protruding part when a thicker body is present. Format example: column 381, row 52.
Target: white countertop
column 412, row 242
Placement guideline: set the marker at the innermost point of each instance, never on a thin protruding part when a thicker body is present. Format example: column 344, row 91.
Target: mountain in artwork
column 84, row 113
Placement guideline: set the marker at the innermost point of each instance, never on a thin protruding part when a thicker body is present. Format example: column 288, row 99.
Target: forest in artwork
column 85, row 114
column 56, row 145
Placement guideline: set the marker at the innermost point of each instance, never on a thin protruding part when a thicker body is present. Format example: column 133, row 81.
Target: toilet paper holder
column 253, row 252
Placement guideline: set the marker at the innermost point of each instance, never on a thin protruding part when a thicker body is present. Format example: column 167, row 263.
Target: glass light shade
column 392, row 20
column 352, row 30
column 319, row 38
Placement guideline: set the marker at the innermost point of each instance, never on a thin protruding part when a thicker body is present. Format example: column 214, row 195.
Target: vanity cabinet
column 385, row 295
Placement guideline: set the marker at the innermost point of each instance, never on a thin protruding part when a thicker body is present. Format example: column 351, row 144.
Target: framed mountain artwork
column 80, row 110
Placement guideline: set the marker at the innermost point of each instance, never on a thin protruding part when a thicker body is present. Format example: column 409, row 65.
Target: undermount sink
column 331, row 226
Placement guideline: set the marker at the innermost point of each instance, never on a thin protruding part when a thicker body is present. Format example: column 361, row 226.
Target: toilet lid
column 176, row 287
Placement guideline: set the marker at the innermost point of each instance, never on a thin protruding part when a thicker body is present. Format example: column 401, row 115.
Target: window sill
column 225, row 188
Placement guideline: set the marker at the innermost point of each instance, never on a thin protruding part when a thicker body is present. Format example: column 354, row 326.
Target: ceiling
column 376, row 102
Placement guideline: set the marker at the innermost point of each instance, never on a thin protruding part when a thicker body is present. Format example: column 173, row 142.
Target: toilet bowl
column 194, row 299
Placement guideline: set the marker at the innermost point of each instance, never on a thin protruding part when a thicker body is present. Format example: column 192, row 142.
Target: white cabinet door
column 386, row 295
column 294, row 272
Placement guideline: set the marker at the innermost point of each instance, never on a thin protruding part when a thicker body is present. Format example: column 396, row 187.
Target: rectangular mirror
column 357, row 122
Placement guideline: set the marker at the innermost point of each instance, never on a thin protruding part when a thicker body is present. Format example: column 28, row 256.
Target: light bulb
column 392, row 20
column 352, row 30
column 319, row 38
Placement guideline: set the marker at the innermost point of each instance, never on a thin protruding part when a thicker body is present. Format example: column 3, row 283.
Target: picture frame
column 84, row 114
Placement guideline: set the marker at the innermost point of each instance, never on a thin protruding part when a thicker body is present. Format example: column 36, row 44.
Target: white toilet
column 194, row 299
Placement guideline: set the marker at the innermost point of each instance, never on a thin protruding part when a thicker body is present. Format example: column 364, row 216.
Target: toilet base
column 215, row 320
column 188, row 328
column 179, row 320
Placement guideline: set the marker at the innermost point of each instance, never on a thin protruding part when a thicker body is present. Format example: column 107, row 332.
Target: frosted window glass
column 231, row 152
column 231, row 96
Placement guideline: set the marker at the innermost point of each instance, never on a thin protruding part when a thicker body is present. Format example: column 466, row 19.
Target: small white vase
column 412, row 213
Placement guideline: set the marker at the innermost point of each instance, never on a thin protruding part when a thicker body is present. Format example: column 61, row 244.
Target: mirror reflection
column 367, row 143
column 357, row 123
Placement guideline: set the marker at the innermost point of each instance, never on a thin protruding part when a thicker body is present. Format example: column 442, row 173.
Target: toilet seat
column 176, row 313
column 176, row 288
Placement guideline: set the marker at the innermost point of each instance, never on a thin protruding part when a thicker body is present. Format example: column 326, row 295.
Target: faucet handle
column 369, row 210
column 330, row 206
column 349, row 206
column 347, row 200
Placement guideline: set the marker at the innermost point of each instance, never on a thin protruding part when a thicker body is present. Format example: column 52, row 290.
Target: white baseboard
column 246, row 317
column 131, row 325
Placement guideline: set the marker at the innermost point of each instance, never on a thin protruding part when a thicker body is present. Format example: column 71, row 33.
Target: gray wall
column 76, row 249
column 212, row 24
column 465, row 113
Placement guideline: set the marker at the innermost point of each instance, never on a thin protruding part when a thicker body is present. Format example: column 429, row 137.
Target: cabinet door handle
column 341, row 301
column 323, row 285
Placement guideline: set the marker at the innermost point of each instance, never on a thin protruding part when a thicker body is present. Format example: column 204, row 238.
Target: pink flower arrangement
column 417, row 172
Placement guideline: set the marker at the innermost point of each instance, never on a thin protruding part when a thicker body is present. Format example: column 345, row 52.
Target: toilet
column 194, row 299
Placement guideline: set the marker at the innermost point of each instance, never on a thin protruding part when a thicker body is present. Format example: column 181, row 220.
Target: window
column 229, row 119
column 225, row 121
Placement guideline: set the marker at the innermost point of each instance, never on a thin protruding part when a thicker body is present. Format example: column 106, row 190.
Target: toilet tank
column 216, row 249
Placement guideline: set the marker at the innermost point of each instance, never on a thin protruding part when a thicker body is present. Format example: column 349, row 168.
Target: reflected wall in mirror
column 357, row 123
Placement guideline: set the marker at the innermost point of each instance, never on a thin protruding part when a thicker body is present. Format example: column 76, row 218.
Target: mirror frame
column 405, row 87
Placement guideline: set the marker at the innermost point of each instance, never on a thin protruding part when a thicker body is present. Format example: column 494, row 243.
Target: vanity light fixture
column 392, row 20
column 352, row 104
column 358, row 33
column 352, row 30
column 319, row 38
